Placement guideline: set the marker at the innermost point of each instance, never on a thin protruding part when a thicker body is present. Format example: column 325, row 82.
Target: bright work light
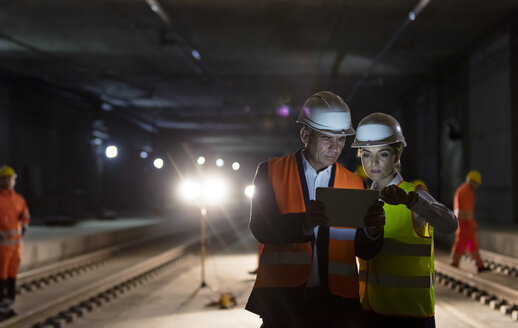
column 211, row 191
column 111, row 151
column 190, row 191
column 249, row 191
column 158, row 163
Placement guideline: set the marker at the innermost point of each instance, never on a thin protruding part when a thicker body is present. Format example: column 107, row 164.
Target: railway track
column 498, row 289
column 55, row 295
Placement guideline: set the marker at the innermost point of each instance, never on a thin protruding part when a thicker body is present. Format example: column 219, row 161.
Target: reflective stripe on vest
column 400, row 279
column 10, row 242
column 343, row 269
column 392, row 247
column 285, row 258
column 386, row 280
column 6, row 234
column 289, row 265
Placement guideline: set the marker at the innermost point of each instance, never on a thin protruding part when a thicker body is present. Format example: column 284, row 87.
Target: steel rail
column 93, row 292
column 27, row 277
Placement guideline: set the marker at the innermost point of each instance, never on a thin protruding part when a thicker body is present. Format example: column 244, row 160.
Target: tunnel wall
column 460, row 121
column 47, row 135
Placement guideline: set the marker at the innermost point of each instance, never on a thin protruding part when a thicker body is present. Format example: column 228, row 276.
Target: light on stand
column 249, row 191
column 211, row 192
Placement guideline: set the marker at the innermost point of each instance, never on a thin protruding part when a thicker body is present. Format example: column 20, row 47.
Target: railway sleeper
column 497, row 303
column 508, row 308
column 486, row 299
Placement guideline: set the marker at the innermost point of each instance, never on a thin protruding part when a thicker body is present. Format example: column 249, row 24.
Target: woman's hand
column 394, row 195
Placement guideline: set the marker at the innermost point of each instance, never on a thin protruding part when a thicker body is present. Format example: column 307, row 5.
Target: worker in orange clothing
column 464, row 208
column 14, row 219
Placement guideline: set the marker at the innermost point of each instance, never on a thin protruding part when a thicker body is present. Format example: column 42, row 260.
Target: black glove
column 315, row 215
column 374, row 221
column 394, row 195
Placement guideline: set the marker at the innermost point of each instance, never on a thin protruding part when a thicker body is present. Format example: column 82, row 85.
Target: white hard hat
column 327, row 113
column 378, row 129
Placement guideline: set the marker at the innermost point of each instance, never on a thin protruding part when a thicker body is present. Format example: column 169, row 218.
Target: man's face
column 322, row 150
column 8, row 182
column 473, row 184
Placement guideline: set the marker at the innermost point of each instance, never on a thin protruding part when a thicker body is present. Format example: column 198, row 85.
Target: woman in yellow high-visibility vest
column 397, row 285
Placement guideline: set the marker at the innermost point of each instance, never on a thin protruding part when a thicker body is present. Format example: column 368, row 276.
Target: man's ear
column 304, row 135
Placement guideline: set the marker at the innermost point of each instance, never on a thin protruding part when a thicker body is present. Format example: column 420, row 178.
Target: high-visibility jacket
column 289, row 264
column 464, row 202
column 399, row 281
column 14, row 215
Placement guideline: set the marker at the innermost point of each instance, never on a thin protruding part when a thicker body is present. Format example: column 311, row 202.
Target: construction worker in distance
column 14, row 219
column 464, row 207
column 397, row 285
column 307, row 274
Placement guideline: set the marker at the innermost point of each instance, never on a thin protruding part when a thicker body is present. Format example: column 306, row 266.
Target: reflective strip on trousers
column 402, row 249
column 343, row 269
column 386, row 280
column 10, row 242
column 464, row 215
column 5, row 234
column 285, row 258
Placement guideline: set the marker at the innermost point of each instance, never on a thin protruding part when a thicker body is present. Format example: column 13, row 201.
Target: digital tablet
column 346, row 207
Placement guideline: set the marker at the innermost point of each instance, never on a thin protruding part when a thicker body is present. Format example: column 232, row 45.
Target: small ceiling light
column 235, row 166
column 154, row 8
column 201, row 160
column 158, row 163
column 143, row 154
column 107, row 107
column 196, row 54
column 283, row 111
column 97, row 141
column 111, row 151
column 411, row 16
column 219, row 162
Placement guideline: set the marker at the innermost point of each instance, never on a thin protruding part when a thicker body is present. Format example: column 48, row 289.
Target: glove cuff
column 412, row 199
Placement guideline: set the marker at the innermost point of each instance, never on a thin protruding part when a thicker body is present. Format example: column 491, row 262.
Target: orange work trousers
column 9, row 261
column 466, row 238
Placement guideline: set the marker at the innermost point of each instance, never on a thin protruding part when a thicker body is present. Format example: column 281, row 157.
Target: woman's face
column 379, row 162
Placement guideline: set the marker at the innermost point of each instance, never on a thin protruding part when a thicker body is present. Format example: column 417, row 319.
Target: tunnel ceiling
column 219, row 72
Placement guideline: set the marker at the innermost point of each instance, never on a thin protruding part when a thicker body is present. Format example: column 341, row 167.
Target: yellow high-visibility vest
column 399, row 281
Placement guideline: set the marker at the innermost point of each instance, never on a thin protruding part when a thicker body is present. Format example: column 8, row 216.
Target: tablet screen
column 346, row 207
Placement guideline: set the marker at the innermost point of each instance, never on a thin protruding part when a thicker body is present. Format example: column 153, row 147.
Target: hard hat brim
column 348, row 132
column 369, row 143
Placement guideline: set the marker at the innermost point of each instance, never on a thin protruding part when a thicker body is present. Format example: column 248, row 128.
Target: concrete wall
column 47, row 135
column 489, row 147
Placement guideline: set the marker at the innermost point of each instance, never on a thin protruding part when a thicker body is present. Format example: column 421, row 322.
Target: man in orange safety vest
column 464, row 208
column 14, row 219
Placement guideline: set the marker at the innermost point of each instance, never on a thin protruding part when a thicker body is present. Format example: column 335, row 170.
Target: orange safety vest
column 464, row 202
column 14, row 214
column 289, row 264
